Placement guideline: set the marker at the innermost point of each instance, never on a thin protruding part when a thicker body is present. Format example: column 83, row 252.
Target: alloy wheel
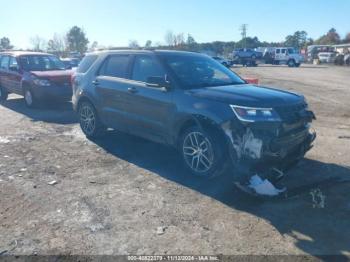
column 198, row 152
column 28, row 97
column 87, row 119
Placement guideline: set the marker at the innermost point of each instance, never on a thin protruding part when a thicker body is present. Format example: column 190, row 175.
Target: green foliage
column 5, row 43
column 331, row 38
column 298, row 39
column 77, row 40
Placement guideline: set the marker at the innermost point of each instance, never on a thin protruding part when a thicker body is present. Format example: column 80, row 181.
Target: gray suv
column 194, row 103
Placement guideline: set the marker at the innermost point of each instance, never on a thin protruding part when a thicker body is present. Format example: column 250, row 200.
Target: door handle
column 132, row 90
column 95, row 82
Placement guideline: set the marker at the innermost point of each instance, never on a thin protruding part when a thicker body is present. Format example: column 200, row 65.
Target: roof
column 20, row 53
column 342, row 45
column 141, row 51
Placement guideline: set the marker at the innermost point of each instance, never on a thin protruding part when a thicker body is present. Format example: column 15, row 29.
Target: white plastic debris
column 160, row 230
column 264, row 187
column 53, row 182
column 4, row 140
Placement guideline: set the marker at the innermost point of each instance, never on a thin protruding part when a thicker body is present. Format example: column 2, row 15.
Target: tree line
column 76, row 40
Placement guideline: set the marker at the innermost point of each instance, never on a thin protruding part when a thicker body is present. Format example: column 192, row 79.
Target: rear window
column 86, row 63
column 116, row 66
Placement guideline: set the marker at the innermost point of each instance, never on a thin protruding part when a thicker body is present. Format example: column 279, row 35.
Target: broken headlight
column 254, row 114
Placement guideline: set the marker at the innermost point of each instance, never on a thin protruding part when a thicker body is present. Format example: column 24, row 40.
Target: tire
column 297, row 65
column 89, row 121
column 203, row 152
column 29, row 98
column 291, row 63
column 3, row 94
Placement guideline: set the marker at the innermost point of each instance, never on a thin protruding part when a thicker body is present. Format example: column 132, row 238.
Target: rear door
column 14, row 76
column 284, row 55
column 148, row 108
column 112, row 87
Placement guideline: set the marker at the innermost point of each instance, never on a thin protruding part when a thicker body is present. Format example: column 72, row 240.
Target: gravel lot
column 112, row 196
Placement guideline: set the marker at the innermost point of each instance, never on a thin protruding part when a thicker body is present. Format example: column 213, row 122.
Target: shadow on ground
column 53, row 112
column 316, row 231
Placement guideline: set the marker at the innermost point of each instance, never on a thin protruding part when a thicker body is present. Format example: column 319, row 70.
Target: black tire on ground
column 203, row 152
column 30, row 99
column 291, row 63
column 3, row 94
column 90, row 122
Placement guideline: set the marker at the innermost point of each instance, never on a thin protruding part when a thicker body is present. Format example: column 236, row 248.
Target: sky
column 116, row 22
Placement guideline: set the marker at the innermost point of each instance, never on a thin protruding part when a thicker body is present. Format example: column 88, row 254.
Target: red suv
column 36, row 76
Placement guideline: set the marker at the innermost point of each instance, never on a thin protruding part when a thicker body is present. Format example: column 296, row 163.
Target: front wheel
column 3, row 94
column 29, row 98
column 291, row 63
column 89, row 121
column 203, row 152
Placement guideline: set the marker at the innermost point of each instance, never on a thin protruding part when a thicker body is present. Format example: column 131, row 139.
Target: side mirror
column 158, row 81
column 14, row 68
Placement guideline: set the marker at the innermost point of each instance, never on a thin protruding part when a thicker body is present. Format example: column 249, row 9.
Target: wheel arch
column 200, row 121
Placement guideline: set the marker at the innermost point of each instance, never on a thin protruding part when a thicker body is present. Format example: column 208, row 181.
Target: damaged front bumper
column 260, row 146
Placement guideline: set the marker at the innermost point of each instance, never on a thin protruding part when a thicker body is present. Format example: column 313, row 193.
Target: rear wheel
column 3, row 94
column 202, row 152
column 89, row 121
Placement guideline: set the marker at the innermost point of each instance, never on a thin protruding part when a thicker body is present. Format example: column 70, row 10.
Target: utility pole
column 243, row 30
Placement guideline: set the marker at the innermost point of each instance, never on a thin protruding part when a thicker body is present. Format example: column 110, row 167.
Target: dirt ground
column 113, row 195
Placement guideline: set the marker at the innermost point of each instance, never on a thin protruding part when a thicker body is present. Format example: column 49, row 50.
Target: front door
column 149, row 109
column 14, row 77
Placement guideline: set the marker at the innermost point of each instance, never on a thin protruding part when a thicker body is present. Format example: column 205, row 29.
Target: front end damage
column 256, row 147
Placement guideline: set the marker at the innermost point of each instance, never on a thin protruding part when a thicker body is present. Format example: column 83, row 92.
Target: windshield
column 41, row 63
column 292, row 51
column 197, row 71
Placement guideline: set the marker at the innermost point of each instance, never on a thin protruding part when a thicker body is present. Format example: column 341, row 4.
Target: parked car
column 222, row 61
column 283, row 56
column 36, row 76
column 326, row 57
column 70, row 62
column 339, row 59
column 246, row 53
column 347, row 59
column 189, row 101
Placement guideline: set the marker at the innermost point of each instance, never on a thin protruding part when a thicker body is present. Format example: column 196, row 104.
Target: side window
column 284, row 51
column 145, row 67
column 86, row 63
column 278, row 51
column 116, row 66
column 5, row 62
column 13, row 63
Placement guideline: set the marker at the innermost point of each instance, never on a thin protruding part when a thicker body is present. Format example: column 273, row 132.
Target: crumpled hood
column 248, row 95
column 55, row 75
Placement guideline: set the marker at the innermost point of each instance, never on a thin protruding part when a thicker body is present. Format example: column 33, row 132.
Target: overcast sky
column 114, row 23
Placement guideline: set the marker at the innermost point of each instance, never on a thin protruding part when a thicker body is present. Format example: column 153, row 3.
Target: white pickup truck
column 282, row 55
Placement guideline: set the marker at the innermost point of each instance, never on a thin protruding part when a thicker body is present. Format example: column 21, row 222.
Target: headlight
column 41, row 82
column 254, row 114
